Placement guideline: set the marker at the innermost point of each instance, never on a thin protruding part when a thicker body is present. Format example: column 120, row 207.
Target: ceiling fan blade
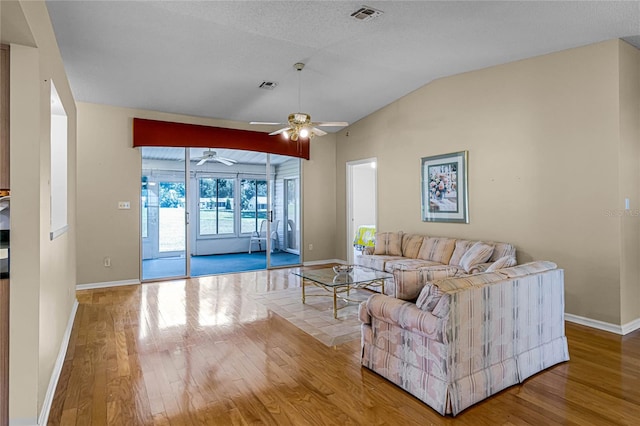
column 201, row 162
column 225, row 161
column 277, row 132
column 318, row 132
column 331, row 124
column 266, row 123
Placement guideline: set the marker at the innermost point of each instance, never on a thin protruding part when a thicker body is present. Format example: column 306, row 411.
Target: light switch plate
column 124, row 205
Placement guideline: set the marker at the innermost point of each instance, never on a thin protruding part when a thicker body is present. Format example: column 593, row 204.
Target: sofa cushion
column 376, row 262
column 389, row 243
column 503, row 262
column 437, row 249
column 408, row 264
column 478, row 253
column 429, row 297
column 461, row 248
column 411, row 244
column 527, row 269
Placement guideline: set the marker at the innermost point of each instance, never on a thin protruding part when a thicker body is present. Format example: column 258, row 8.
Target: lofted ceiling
column 208, row 58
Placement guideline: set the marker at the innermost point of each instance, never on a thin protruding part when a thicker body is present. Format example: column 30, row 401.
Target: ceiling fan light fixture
column 299, row 123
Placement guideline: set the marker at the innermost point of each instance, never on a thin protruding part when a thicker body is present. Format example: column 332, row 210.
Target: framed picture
column 444, row 188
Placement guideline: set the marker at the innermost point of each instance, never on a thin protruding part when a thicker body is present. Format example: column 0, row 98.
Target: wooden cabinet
column 4, row 118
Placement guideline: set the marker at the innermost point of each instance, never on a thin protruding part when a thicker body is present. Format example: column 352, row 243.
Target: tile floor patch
column 315, row 317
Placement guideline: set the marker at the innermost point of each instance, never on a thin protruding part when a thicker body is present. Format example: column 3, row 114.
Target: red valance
column 166, row 133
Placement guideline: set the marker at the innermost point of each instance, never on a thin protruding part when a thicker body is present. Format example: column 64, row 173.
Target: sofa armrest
column 405, row 315
column 363, row 313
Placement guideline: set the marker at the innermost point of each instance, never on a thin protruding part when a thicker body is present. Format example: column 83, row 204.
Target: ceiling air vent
column 366, row 13
column 269, row 85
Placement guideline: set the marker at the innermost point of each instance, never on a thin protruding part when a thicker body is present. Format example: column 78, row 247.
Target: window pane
column 225, row 205
column 172, row 197
column 216, row 206
column 253, row 204
column 208, row 217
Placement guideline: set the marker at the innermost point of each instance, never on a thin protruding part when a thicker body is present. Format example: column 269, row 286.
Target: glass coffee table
column 339, row 285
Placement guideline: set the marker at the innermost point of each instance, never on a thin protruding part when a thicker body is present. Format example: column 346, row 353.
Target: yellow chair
column 365, row 237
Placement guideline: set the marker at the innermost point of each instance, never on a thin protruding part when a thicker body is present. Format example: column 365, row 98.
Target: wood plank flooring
column 200, row 352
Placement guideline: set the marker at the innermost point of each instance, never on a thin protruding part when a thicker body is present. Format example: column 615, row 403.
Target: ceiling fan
column 210, row 155
column 299, row 124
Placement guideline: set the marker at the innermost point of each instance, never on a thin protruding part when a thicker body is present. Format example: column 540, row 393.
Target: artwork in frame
column 444, row 188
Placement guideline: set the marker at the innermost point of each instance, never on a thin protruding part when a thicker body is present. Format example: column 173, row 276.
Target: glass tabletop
column 328, row 277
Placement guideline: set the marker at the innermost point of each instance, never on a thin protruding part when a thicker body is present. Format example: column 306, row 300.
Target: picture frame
column 445, row 195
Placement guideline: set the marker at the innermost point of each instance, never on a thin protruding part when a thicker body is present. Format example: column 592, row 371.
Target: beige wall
column 319, row 200
column 629, row 62
column 109, row 171
column 42, row 271
column 544, row 154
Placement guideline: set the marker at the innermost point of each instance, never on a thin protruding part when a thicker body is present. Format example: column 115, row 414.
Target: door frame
column 349, row 192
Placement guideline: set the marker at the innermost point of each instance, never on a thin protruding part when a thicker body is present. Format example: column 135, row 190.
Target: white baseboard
column 323, row 262
column 105, row 284
column 631, row 326
column 57, row 368
column 23, row 422
column 605, row 326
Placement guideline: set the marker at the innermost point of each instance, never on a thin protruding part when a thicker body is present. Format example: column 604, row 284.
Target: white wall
column 42, row 271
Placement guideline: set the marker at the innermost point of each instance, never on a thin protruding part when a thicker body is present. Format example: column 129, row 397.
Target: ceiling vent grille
column 366, row 13
column 269, row 85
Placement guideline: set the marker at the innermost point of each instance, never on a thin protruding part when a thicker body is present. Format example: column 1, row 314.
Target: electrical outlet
column 107, row 262
column 124, row 205
column 310, row 247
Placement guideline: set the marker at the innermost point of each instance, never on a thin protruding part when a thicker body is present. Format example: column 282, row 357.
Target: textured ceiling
column 208, row 58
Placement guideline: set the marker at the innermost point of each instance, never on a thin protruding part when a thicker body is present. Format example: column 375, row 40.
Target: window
column 253, row 204
column 217, row 206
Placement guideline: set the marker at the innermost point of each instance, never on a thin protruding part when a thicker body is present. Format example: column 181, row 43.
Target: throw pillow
column 388, row 243
column 478, row 253
column 437, row 250
column 411, row 245
column 429, row 297
column 503, row 262
column 461, row 248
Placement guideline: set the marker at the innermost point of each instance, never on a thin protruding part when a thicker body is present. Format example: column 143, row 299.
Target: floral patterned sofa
column 415, row 259
column 466, row 338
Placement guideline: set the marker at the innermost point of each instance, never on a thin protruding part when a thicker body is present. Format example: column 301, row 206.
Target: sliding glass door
column 237, row 211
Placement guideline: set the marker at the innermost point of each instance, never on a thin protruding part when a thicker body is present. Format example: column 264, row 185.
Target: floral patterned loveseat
column 415, row 259
column 466, row 338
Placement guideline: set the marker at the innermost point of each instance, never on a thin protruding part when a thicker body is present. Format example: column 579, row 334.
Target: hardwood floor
column 196, row 352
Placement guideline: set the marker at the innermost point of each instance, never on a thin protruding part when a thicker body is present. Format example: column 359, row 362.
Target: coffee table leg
column 335, row 304
column 303, row 280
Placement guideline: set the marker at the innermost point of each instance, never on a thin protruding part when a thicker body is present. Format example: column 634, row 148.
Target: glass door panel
column 284, row 178
column 163, row 213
